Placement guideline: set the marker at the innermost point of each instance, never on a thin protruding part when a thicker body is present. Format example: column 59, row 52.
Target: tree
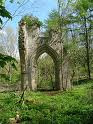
column 4, row 59
column 82, row 9
column 76, row 27
column 4, row 12
column 57, row 27
column 9, row 46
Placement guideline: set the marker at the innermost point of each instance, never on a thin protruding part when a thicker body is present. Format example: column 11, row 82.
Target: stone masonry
column 31, row 45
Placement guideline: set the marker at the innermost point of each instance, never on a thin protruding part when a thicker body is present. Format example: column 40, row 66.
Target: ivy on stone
column 31, row 21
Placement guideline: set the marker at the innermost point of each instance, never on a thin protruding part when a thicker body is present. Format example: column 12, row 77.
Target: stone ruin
column 31, row 45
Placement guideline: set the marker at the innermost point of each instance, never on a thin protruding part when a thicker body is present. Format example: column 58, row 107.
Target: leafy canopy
column 4, row 12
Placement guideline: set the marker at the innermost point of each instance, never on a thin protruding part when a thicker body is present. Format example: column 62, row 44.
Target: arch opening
column 45, row 72
column 55, row 61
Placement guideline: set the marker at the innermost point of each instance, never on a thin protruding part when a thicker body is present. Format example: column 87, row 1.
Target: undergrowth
column 70, row 107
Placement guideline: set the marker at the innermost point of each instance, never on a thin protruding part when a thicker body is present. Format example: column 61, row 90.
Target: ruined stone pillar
column 27, row 48
column 22, row 53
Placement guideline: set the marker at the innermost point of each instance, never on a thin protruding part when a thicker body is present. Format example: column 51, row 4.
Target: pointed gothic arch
column 31, row 45
column 54, row 55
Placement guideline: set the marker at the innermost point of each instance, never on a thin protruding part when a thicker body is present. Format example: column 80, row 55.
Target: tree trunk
column 87, row 49
column 61, row 41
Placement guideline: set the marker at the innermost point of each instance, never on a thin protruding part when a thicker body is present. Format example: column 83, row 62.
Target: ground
column 69, row 107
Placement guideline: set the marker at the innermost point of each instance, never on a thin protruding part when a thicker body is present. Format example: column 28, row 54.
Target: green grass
column 70, row 107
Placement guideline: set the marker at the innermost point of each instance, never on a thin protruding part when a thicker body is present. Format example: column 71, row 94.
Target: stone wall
column 31, row 46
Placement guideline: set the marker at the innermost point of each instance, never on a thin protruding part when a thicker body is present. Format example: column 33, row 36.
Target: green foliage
column 76, row 22
column 4, row 12
column 52, row 23
column 82, row 7
column 32, row 21
column 4, row 59
column 46, row 72
column 12, row 77
column 70, row 107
